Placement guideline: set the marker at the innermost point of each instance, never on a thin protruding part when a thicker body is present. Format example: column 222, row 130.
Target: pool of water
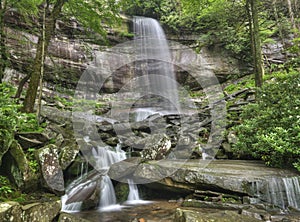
column 158, row 211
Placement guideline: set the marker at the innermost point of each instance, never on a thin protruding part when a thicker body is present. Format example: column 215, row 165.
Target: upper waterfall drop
column 154, row 63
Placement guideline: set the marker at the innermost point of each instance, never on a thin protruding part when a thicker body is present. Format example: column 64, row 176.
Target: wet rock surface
column 231, row 175
column 186, row 215
column 241, row 178
column 174, row 211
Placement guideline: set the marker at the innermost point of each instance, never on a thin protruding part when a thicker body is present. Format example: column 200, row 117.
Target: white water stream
column 281, row 192
column 104, row 157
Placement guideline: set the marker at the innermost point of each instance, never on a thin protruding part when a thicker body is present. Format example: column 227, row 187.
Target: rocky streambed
column 193, row 189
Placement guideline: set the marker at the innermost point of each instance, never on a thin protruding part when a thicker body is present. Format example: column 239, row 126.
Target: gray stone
column 50, row 168
column 35, row 212
column 55, row 115
column 41, row 212
column 232, row 138
column 10, row 212
column 227, row 147
column 31, row 139
column 189, row 215
column 65, row 217
column 157, row 147
column 125, row 169
column 85, row 189
column 68, row 154
column 230, row 176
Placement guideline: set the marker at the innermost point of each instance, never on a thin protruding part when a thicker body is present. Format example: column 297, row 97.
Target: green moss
column 122, row 191
column 246, row 82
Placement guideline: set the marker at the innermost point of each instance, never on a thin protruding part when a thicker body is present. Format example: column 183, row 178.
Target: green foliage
column 5, row 188
column 246, row 82
column 270, row 128
column 33, row 164
column 92, row 14
column 11, row 119
column 8, row 115
column 143, row 8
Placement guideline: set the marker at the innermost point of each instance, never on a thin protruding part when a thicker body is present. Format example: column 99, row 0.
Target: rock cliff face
column 71, row 50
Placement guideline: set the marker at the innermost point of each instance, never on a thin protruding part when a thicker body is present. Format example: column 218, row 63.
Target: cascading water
column 154, row 63
column 281, row 192
column 159, row 89
column 104, row 158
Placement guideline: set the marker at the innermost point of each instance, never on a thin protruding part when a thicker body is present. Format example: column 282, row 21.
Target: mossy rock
column 122, row 191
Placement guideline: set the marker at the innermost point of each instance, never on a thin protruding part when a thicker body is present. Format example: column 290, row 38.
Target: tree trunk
column 3, row 53
column 252, row 8
column 21, row 85
column 292, row 16
column 38, row 113
column 28, row 105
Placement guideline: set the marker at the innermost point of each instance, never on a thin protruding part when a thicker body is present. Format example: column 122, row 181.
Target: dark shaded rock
column 4, row 147
column 16, row 165
column 31, row 139
column 50, row 168
column 122, row 191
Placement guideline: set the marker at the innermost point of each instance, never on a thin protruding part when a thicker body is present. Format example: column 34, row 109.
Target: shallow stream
column 158, row 211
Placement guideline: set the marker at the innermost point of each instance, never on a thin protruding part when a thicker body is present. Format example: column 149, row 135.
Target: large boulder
column 157, row 147
column 10, row 211
column 242, row 178
column 36, row 212
column 17, row 166
column 31, row 139
column 41, row 212
column 50, row 167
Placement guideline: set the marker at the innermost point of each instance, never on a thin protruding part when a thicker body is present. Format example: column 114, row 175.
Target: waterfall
column 292, row 187
column 281, row 192
column 133, row 196
column 154, row 64
column 105, row 157
column 87, row 183
column 143, row 113
column 108, row 196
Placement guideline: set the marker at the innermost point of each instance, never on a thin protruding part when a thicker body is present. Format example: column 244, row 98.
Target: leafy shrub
column 270, row 128
column 11, row 119
column 5, row 188
column 8, row 115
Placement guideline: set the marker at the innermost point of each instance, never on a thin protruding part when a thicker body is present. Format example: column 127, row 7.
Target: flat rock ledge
column 226, row 176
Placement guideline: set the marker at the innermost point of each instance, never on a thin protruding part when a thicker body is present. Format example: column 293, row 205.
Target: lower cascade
column 281, row 192
column 81, row 188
